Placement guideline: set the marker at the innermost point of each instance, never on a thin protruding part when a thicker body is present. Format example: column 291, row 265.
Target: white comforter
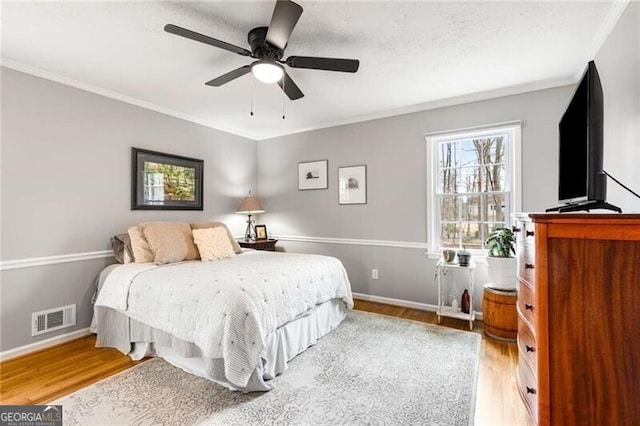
column 226, row 307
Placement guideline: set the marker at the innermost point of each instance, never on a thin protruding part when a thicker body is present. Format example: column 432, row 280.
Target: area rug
column 372, row 370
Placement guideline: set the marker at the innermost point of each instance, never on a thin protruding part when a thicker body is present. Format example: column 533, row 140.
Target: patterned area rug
column 372, row 370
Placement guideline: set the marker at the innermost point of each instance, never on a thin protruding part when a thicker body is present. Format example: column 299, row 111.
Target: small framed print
column 313, row 175
column 352, row 185
column 261, row 232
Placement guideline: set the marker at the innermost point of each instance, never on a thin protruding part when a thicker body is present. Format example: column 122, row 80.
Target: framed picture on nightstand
column 261, row 232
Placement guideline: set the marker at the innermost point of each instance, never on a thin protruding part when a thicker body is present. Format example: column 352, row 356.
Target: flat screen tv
column 582, row 183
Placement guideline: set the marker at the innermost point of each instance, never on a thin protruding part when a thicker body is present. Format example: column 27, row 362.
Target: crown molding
column 37, row 72
column 609, row 23
column 440, row 103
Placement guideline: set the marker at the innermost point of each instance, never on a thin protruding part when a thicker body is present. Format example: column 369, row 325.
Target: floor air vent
column 53, row 319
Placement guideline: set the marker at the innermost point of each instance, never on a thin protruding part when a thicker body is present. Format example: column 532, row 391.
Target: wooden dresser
column 579, row 318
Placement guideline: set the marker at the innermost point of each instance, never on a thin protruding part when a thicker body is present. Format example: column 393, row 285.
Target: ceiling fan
column 267, row 46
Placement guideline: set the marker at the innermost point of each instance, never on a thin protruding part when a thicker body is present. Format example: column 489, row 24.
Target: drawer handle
column 530, row 348
column 530, row 233
column 529, row 266
column 528, row 307
column 531, row 390
column 515, row 229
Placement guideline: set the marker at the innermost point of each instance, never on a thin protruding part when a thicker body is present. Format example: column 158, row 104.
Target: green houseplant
column 501, row 242
column 501, row 260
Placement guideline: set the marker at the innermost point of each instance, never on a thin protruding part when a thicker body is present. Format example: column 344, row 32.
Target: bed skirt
column 139, row 340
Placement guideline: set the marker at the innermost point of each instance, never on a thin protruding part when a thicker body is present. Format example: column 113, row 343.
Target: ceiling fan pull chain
column 251, row 93
column 283, row 96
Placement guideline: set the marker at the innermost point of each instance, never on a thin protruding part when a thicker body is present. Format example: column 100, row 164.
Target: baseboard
column 404, row 303
column 43, row 344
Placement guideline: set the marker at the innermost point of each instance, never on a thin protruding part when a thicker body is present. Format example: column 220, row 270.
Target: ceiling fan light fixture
column 267, row 72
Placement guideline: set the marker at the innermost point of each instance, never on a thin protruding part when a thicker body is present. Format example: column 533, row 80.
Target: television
column 582, row 182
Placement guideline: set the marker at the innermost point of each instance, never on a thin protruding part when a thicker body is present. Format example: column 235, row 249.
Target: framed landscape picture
column 352, row 185
column 313, row 175
column 164, row 181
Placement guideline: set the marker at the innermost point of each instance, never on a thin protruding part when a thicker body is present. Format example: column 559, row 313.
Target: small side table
column 499, row 313
column 265, row 245
column 448, row 289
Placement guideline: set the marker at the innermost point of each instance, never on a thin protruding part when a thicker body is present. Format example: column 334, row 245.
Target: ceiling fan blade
column 284, row 19
column 326, row 64
column 231, row 75
column 290, row 88
column 174, row 29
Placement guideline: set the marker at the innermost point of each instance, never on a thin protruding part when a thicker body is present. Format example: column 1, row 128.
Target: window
column 473, row 184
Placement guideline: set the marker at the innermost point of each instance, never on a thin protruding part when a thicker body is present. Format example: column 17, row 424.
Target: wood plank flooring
column 54, row 372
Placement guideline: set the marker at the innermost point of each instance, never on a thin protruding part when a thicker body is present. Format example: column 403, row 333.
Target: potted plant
column 501, row 260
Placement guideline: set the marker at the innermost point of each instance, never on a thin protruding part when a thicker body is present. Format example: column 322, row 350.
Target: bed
column 236, row 321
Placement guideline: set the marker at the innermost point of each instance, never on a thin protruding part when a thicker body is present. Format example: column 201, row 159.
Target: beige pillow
column 170, row 241
column 139, row 246
column 213, row 243
column 202, row 225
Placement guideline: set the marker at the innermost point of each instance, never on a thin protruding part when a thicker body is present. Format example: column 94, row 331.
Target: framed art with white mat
column 313, row 175
column 352, row 184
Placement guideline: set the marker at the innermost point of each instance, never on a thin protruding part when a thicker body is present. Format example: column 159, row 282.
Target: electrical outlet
column 374, row 274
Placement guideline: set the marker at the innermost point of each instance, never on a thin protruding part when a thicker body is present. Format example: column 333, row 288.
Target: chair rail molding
column 353, row 241
column 52, row 260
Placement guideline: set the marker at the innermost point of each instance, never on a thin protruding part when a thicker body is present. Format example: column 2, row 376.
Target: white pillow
column 234, row 243
column 213, row 243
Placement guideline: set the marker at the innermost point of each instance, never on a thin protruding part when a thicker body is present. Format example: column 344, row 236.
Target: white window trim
column 514, row 128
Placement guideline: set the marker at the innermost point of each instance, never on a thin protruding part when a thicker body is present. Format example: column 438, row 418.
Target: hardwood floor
column 54, row 372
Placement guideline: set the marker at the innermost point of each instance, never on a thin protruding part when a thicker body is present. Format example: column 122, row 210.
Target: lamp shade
column 250, row 205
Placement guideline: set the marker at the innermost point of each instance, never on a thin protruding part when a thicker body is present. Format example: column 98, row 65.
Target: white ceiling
column 413, row 55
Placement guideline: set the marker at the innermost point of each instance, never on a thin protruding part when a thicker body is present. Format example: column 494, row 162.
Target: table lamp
column 249, row 206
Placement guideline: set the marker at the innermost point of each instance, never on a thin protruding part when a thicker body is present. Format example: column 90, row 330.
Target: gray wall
column 66, row 188
column 394, row 150
column 618, row 63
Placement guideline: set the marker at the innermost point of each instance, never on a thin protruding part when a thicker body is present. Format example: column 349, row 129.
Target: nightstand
column 266, row 245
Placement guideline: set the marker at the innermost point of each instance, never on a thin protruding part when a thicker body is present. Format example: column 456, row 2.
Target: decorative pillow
column 139, row 246
column 170, row 241
column 213, row 243
column 234, row 243
column 121, row 245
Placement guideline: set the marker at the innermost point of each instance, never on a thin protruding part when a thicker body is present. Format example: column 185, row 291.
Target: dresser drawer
column 525, row 233
column 526, row 301
column 527, row 346
column 528, row 388
column 525, row 251
column 526, row 264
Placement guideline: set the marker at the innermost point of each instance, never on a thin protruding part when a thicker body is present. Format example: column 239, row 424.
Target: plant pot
column 502, row 272
column 464, row 258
